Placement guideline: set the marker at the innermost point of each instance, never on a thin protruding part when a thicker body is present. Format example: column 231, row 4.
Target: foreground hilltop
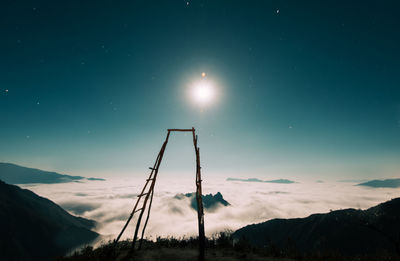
column 348, row 231
column 35, row 228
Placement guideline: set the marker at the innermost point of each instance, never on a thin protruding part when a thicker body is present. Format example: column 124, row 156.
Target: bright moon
column 203, row 92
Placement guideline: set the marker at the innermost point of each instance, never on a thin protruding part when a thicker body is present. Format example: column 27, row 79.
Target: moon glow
column 203, row 92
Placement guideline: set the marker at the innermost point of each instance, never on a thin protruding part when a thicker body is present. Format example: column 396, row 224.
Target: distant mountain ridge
column 350, row 231
column 14, row 174
column 352, row 180
column 279, row 181
column 386, row 183
column 35, row 228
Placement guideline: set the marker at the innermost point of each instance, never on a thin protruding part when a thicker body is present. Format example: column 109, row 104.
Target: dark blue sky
column 305, row 87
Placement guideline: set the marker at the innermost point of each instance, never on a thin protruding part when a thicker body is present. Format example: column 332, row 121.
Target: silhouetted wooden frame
column 149, row 195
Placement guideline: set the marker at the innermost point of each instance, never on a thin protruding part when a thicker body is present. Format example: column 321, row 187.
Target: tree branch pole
column 150, row 192
column 199, row 199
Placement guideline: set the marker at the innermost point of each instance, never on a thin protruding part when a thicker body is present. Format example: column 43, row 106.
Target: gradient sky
column 306, row 88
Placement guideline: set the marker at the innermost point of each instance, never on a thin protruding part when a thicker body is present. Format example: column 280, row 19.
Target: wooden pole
column 150, row 192
column 199, row 199
column 139, row 197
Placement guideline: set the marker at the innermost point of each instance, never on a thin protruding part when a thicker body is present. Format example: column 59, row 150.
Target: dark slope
column 347, row 231
column 14, row 174
column 35, row 228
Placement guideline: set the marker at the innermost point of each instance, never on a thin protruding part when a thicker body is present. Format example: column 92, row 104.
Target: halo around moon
column 203, row 92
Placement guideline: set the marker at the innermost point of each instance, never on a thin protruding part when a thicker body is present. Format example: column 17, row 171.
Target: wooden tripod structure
column 148, row 191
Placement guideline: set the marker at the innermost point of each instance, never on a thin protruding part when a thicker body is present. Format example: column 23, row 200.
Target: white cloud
column 110, row 202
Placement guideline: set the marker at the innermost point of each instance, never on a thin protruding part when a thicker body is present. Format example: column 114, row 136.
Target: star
column 38, row 103
column 277, row 11
column 6, row 91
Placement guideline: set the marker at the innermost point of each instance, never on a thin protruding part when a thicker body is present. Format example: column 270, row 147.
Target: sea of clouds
column 110, row 202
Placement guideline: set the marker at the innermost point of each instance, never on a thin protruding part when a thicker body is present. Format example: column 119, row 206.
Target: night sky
column 305, row 88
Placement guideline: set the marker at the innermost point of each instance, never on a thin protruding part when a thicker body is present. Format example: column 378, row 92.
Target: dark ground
column 220, row 247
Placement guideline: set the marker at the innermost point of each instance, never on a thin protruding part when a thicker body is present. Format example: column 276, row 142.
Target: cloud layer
column 110, row 203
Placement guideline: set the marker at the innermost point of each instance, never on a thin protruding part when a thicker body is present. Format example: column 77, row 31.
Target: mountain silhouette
column 349, row 231
column 279, row 181
column 387, row 183
column 35, row 228
column 210, row 201
column 14, row 174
